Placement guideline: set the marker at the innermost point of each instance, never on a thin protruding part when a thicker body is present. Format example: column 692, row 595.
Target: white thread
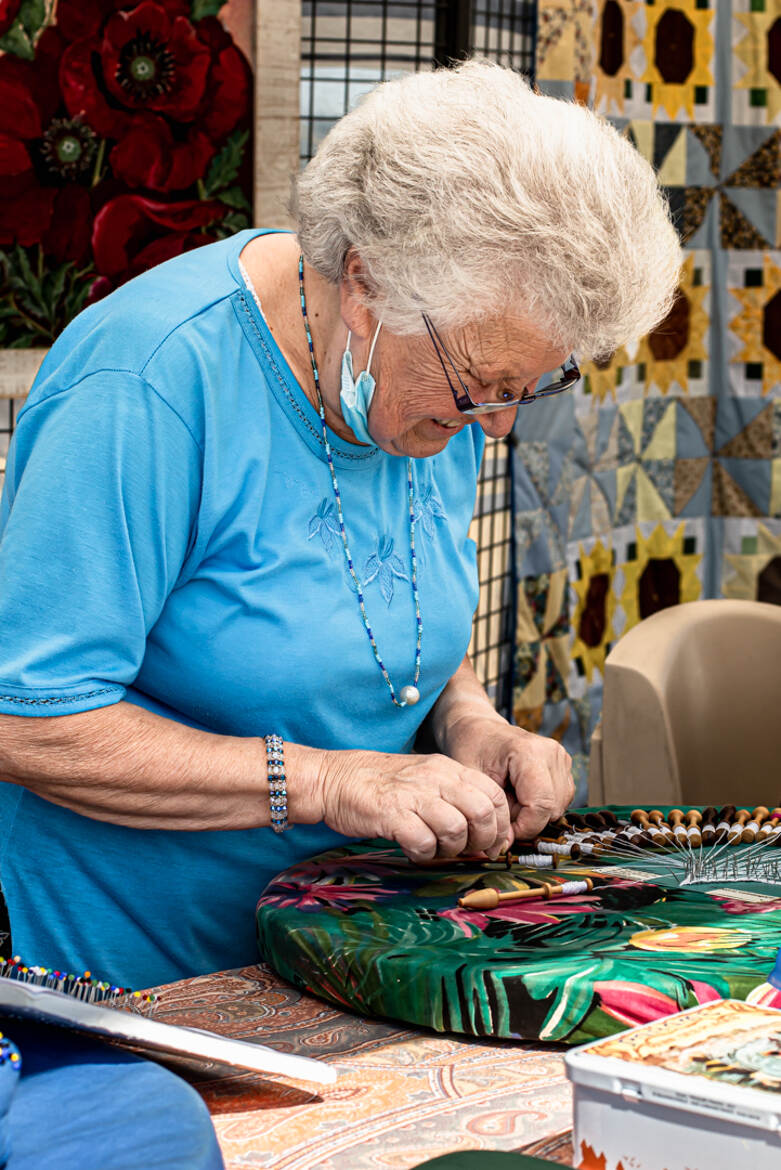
column 692, row 865
column 573, row 888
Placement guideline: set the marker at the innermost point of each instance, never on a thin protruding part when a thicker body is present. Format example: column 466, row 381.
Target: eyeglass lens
column 551, row 382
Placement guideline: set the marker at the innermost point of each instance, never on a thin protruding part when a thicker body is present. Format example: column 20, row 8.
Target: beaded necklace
column 409, row 694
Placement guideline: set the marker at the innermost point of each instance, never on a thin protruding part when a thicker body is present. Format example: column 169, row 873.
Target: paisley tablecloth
column 403, row 1095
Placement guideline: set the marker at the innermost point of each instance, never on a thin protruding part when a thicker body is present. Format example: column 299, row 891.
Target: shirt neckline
column 284, row 385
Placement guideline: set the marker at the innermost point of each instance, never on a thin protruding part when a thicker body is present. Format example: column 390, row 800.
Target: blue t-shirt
column 168, row 536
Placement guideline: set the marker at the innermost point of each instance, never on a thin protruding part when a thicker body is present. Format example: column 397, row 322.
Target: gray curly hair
column 467, row 195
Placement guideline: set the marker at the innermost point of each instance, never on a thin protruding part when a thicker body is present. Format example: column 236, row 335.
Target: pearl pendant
column 409, row 695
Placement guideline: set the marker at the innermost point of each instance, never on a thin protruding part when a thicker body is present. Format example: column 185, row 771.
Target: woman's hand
column 429, row 804
column 535, row 771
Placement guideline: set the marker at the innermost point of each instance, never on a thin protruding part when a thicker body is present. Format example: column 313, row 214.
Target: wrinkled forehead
column 505, row 346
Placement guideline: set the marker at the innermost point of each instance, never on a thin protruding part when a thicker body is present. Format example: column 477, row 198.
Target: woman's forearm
column 126, row 765
column 463, row 697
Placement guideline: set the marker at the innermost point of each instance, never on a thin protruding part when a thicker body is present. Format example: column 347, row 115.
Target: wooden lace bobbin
column 556, row 828
column 770, row 826
column 675, row 820
column 693, row 820
column 708, row 826
column 603, row 820
column 559, row 830
column 656, row 817
column 551, row 832
column 724, row 822
column 751, row 831
column 636, row 832
column 774, row 832
column 598, row 821
column 555, row 846
column 614, row 825
column 650, row 835
column 575, row 826
column 577, row 822
column 626, row 833
column 627, row 840
column 595, row 820
column 662, row 833
column 597, row 830
column 606, row 827
column 503, row 861
column 489, row 899
column 536, row 860
column 742, row 817
column 528, row 860
column 555, row 831
column 594, row 844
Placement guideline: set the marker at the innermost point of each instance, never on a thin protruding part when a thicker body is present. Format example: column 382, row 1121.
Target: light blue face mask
column 356, row 393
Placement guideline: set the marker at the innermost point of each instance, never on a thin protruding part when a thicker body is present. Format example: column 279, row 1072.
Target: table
column 404, row 1095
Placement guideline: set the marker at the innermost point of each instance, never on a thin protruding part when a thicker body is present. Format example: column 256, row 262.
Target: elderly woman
column 237, row 506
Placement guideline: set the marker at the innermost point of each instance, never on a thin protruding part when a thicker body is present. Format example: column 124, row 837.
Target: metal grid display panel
column 491, row 646
column 505, row 32
column 346, row 49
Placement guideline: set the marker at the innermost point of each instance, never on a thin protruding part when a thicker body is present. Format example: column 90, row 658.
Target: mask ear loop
column 371, row 350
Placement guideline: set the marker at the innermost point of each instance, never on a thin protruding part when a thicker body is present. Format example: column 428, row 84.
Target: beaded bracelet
column 277, row 783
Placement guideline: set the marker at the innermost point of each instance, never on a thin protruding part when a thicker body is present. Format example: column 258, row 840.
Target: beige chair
column 692, row 709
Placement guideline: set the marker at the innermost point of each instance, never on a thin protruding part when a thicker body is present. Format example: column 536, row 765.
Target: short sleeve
column 98, row 516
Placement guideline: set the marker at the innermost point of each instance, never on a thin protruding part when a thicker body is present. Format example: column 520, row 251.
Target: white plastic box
column 696, row 1091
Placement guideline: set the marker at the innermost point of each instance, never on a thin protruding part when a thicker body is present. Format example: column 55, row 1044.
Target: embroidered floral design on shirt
column 427, row 509
column 325, row 524
column 384, row 566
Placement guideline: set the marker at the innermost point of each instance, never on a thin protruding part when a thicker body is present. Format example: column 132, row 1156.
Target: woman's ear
column 353, row 288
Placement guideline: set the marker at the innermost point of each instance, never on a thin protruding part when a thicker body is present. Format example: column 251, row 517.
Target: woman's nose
column 498, row 424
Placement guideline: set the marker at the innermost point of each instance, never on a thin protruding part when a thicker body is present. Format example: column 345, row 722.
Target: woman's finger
column 542, row 792
column 447, row 823
column 414, row 836
column 487, row 810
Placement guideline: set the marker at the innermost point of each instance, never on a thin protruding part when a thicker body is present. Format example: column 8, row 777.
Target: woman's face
column 413, row 411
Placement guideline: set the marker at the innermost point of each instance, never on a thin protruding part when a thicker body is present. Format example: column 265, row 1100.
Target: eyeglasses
column 562, row 378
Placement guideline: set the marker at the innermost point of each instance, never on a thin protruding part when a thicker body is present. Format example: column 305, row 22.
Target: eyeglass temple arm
column 437, row 342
